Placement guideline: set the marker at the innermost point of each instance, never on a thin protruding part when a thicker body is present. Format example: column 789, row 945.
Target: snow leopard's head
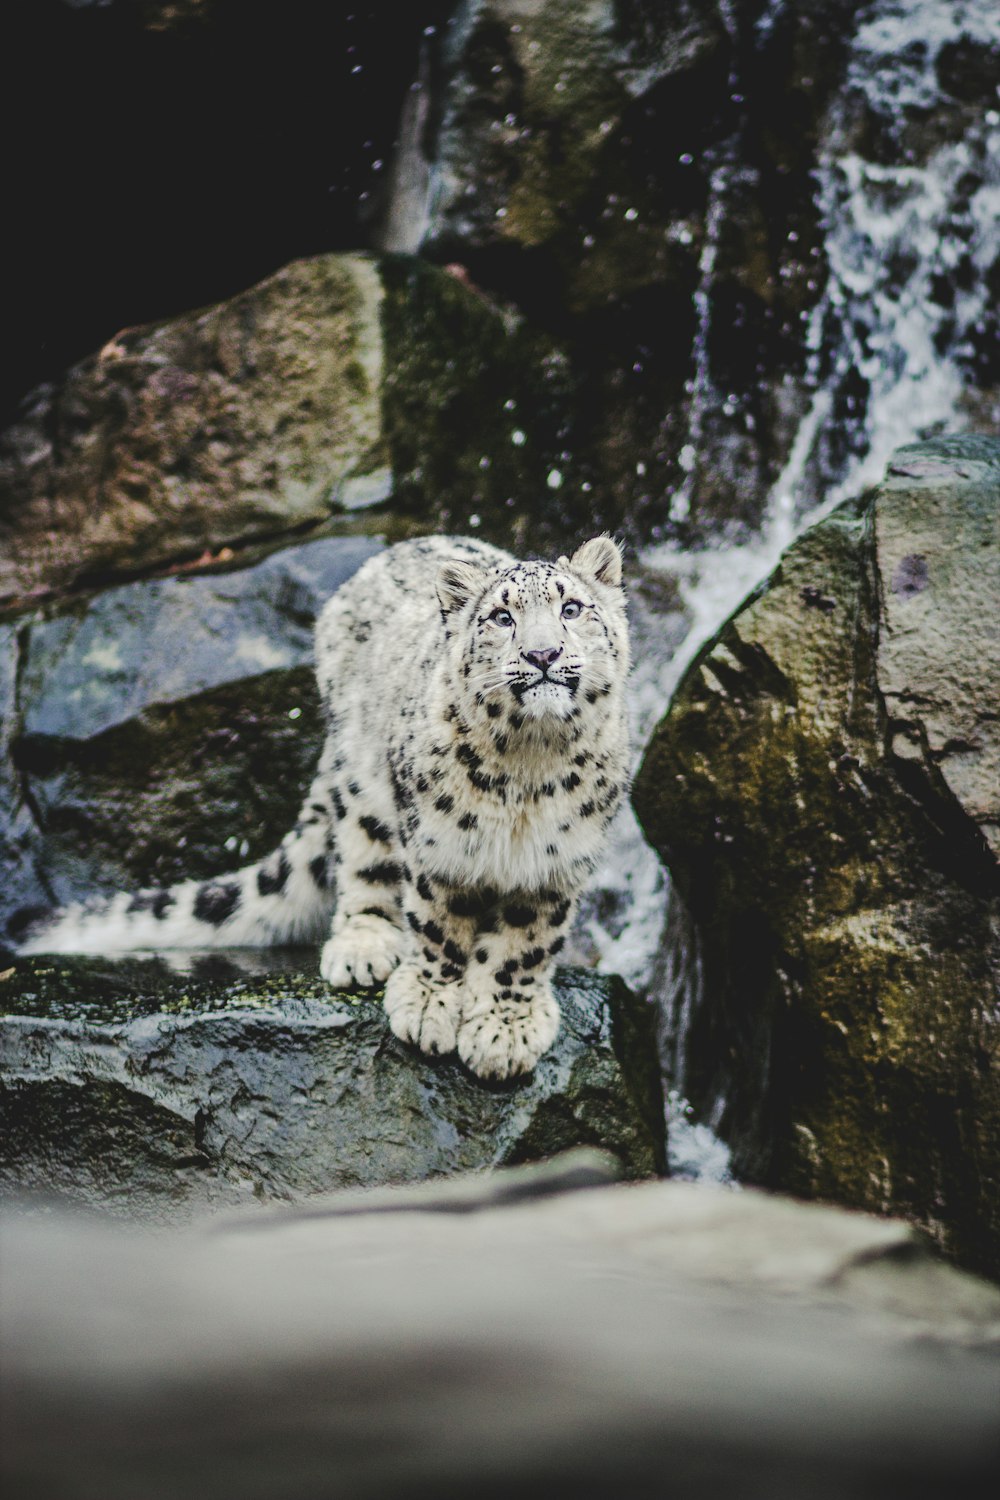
column 537, row 641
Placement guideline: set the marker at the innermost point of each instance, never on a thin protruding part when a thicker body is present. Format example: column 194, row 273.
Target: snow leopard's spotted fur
column 475, row 755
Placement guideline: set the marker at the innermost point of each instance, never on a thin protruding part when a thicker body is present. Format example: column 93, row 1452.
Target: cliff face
column 825, row 791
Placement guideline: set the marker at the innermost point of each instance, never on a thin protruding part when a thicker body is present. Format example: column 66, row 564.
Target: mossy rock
column 158, row 1089
column 824, row 790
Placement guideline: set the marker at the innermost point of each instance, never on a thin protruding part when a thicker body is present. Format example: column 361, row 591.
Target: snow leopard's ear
column 599, row 559
column 457, row 582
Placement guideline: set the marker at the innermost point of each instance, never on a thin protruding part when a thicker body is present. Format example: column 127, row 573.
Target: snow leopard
column 475, row 755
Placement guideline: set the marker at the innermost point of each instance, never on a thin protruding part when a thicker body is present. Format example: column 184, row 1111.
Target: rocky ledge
column 151, row 1089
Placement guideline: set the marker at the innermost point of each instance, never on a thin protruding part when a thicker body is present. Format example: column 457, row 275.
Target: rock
column 479, row 1338
column 204, row 144
column 163, row 729
column 154, row 1089
column 825, row 792
column 325, row 390
column 237, row 422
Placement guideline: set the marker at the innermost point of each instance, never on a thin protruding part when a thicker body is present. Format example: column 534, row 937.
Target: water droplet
column 475, row 521
column 484, row 462
column 686, row 159
column 501, row 213
column 631, row 214
column 295, row 713
column 554, row 480
column 640, row 467
column 686, row 457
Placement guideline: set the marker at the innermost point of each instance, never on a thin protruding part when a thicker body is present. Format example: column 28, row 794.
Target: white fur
column 475, row 756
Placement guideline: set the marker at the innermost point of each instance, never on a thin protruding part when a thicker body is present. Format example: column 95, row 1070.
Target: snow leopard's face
column 544, row 641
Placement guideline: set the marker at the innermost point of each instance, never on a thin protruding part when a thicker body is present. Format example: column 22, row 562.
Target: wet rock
column 162, row 729
column 500, row 1333
column 825, row 790
column 154, row 1090
column 245, row 420
column 334, row 385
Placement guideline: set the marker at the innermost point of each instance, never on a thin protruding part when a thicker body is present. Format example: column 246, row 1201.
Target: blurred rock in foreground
column 644, row 1340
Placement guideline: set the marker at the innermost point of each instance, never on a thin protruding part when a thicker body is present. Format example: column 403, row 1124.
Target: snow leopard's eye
column 571, row 609
column 502, row 617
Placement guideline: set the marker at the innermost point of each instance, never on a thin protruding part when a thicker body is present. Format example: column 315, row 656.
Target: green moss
column 846, row 945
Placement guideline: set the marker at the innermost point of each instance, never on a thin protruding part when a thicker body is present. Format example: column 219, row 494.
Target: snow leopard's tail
column 285, row 898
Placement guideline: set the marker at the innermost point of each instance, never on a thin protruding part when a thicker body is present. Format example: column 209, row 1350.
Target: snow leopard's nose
column 543, row 658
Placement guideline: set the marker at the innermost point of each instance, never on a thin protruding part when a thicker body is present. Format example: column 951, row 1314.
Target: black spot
column 570, row 781
column 582, row 758
column 501, row 742
column 378, row 832
column 423, row 785
column 468, row 820
column 816, row 599
column 433, row 931
column 414, row 922
column 468, row 756
column 445, row 803
column 375, row 911
column 449, row 971
column 354, row 789
column 504, row 977
column 384, row 873
column 158, row 902
column 494, row 710
column 454, row 952
column 586, row 809
column 591, row 696
column 466, row 904
column 548, row 789
column 519, row 916
column 481, row 955
column 560, row 914
column 558, row 945
column 216, row 902
column 515, row 720
column 338, row 804
column 526, row 979
column 532, row 958
column 430, row 955
column 424, row 888
column 319, row 871
column 270, row 878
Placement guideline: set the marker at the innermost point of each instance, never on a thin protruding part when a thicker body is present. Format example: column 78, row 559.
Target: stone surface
column 824, row 791
column 156, row 1088
column 478, row 1337
column 243, row 420
column 162, row 729
column 335, row 386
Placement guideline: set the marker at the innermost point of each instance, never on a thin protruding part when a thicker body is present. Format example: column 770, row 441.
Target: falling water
column 908, row 245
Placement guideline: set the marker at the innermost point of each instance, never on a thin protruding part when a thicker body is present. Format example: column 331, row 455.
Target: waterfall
column 908, row 244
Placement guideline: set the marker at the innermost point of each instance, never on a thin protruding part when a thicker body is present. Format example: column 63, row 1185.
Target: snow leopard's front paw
column 499, row 1038
column 363, row 952
column 422, row 1013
